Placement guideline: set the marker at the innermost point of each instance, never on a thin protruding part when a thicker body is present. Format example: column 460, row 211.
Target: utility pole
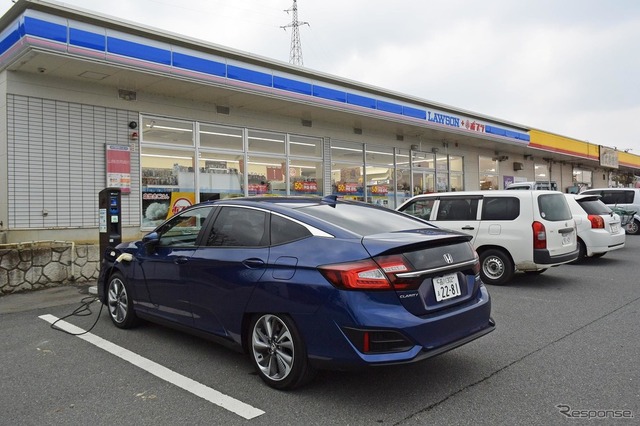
column 295, row 56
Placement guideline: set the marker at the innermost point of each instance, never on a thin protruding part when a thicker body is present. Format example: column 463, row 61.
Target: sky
column 569, row 67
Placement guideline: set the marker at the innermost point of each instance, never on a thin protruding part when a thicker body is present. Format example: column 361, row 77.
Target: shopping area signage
column 119, row 167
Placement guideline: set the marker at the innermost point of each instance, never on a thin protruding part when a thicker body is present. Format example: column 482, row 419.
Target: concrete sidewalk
column 55, row 296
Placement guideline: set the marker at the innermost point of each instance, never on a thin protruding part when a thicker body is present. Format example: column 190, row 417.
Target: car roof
column 485, row 193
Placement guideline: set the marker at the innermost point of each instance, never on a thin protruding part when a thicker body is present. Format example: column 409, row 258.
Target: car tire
column 597, row 255
column 633, row 227
column 120, row 303
column 496, row 267
column 278, row 352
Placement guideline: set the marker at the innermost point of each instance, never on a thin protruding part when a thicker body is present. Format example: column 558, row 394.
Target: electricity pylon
column 295, row 56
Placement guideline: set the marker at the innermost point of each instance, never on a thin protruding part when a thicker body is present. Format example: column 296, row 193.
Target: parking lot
column 566, row 348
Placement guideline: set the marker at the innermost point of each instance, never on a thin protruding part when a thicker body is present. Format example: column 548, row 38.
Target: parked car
column 537, row 185
column 622, row 198
column 599, row 229
column 302, row 283
column 527, row 231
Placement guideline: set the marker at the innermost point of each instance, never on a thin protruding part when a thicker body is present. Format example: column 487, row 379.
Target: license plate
column 446, row 287
column 615, row 228
column 566, row 239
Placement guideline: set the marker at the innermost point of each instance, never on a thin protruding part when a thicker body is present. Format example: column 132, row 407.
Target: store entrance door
column 423, row 181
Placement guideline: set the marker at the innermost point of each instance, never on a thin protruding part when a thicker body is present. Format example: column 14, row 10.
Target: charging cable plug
column 124, row 257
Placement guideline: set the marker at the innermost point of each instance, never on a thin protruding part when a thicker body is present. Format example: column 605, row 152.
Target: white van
column 527, row 231
column 538, row 185
column 621, row 198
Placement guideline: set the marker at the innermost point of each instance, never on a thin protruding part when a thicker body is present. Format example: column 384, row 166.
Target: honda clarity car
column 302, row 284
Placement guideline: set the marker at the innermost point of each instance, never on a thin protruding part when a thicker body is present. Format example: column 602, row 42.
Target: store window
column 423, row 166
column 168, row 183
column 442, row 173
column 266, row 142
column 220, row 137
column 347, row 169
column 542, row 172
column 456, row 173
column 582, row 179
column 488, row 168
column 167, row 131
column 304, row 146
column 305, row 177
column 266, row 175
column 219, row 175
column 379, row 172
column 403, row 177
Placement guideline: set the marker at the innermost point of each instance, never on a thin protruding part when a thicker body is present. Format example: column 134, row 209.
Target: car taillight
column 397, row 264
column 361, row 275
column 476, row 266
column 371, row 274
column 539, row 236
column 597, row 222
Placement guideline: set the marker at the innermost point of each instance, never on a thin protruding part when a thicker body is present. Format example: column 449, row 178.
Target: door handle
column 253, row 263
column 468, row 228
column 180, row 260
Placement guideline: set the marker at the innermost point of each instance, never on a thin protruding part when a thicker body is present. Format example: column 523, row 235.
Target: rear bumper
column 545, row 259
column 430, row 335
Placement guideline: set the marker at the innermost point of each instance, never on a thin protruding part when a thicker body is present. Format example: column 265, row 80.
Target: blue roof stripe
column 331, row 94
column 363, row 101
column 194, row 63
column 292, row 85
column 414, row 112
column 389, row 107
column 44, row 29
column 87, row 39
column 250, row 76
column 28, row 25
column 138, row 51
column 12, row 38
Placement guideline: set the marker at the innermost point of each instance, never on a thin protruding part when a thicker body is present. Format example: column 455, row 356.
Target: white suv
column 622, row 198
column 527, row 231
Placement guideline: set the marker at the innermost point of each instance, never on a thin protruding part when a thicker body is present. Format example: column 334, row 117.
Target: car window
column 420, row 207
column 364, row 219
column 238, row 227
column 500, row 208
column 554, row 207
column 284, row 230
column 594, row 207
column 183, row 229
column 617, row 197
column 457, row 209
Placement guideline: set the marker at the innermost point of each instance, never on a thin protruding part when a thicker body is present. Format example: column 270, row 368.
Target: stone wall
column 32, row 266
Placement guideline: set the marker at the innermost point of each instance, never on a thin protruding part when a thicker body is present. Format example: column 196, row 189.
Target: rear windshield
column 594, row 207
column 554, row 207
column 617, row 197
column 364, row 220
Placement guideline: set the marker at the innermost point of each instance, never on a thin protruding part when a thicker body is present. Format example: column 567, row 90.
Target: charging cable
column 81, row 311
column 84, row 310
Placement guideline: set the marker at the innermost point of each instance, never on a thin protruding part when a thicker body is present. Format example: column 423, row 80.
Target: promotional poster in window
column 160, row 206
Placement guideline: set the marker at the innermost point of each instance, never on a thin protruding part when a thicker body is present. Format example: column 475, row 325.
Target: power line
column 295, row 55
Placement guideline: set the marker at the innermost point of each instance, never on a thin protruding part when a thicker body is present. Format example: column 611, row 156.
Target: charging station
column 110, row 223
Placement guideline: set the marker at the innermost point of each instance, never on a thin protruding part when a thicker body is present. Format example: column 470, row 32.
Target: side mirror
column 150, row 241
column 151, row 238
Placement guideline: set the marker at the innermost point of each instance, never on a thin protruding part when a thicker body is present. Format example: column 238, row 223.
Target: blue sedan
column 302, row 283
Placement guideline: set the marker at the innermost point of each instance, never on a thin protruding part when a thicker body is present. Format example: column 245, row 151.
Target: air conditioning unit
column 517, row 166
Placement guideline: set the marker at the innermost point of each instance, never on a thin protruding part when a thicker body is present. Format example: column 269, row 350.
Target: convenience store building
column 89, row 101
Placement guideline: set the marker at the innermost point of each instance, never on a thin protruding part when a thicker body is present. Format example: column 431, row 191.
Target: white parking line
column 238, row 407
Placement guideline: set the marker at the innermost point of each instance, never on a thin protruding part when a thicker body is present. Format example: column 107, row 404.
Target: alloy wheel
column 273, row 347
